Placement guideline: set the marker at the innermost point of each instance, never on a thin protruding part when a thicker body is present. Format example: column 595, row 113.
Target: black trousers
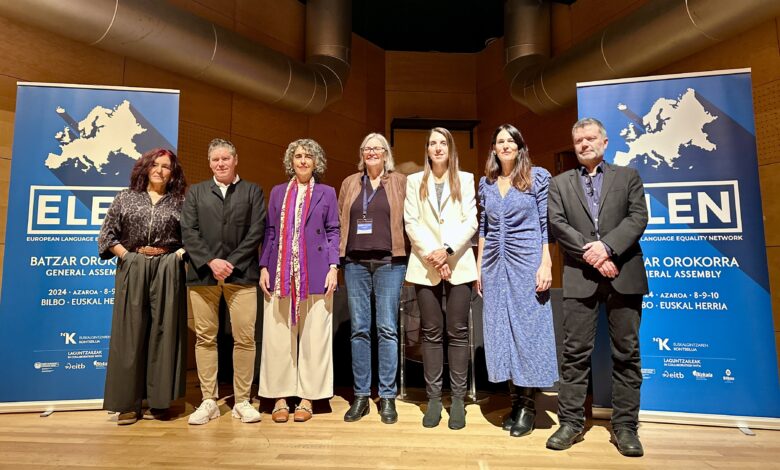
column 147, row 355
column 433, row 320
column 580, row 318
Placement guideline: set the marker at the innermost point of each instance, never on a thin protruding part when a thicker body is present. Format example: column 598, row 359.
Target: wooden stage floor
column 81, row 439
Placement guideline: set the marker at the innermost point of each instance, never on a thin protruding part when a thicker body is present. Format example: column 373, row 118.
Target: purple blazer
column 321, row 232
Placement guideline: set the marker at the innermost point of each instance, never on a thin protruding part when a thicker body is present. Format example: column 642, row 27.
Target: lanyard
column 366, row 198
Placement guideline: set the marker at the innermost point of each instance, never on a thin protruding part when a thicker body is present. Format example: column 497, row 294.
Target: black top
column 134, row 221
column 229, row 227
column 378, row 245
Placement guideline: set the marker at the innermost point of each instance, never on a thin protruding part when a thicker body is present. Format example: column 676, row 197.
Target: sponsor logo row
column 45, row 367
column 727, row 377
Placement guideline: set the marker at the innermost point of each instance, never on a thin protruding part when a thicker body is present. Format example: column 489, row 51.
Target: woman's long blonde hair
column 452, row 165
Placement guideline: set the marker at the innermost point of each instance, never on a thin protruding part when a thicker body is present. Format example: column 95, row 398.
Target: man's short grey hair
column 217, row 143
column 587, row 121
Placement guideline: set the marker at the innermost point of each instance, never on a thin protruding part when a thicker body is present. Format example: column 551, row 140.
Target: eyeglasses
column 368, row 150
column 589, row 185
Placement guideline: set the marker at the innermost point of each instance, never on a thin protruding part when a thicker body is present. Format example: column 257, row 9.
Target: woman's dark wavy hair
column 139, row 178
column 521, row 173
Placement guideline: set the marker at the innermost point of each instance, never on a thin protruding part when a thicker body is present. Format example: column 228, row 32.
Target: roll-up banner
column 74, row 147
column 707, row 339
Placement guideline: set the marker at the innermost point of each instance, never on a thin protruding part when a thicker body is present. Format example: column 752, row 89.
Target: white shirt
column 224, row 187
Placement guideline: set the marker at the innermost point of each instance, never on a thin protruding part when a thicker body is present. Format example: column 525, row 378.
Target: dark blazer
column 230, row 229
column 622, row 221
column 321, row 232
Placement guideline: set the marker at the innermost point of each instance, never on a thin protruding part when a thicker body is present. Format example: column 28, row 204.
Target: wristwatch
column 449, row 250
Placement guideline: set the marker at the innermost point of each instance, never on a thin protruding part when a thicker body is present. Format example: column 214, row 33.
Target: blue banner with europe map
column 707, row 338
column 74, row 147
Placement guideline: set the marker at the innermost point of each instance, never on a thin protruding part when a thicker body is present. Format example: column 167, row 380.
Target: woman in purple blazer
column 299, row 272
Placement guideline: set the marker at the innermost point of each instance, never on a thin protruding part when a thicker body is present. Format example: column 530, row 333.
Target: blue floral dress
column 518, row 323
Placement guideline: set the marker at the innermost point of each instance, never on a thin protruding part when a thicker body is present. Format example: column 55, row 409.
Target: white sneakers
column 207, row 411
column 246, row 412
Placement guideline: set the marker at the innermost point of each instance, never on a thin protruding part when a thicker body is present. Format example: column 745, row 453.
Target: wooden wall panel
column 353, row 104
column 273, row 23
column 591, row 16
column 5, row 181
column 265, row 122
column 561, row 26
column 773, row 260
column 433, row 72
column 375, row 88
column 490, row 65
column 340, row 137
column 260, row 162
column 7, row 112
column 766, row 101
column 769, row 175
column 199, row 102
column 30, row 54
column 193, row 149
column 756, row 48
column 219, row 12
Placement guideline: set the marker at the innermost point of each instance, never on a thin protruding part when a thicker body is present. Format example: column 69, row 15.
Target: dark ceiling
column 430, row 25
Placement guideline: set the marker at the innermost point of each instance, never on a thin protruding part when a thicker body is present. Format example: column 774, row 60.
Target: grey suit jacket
column 230, row 229
column 622, row 221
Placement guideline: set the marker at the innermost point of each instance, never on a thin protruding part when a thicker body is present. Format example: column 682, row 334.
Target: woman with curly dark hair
column 147, row 353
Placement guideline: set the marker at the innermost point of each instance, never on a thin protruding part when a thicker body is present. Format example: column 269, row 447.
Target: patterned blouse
column 133, row 221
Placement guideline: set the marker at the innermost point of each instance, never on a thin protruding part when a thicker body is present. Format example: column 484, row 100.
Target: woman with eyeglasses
column 515, row 276
column 373, row 246
column 440, row 214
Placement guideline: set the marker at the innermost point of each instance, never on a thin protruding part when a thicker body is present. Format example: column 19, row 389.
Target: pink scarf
column 291, row 273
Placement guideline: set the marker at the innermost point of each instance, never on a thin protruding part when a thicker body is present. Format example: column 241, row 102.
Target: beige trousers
column 242, row 307
column 297, row 361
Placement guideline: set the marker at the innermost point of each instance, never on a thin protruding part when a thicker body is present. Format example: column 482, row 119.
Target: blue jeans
column 385, row 281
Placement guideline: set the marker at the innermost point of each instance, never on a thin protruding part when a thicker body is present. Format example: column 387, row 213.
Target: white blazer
column 429, row 229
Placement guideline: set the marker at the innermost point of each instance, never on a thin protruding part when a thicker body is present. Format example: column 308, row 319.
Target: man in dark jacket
column 222, row 223
column 597, row 213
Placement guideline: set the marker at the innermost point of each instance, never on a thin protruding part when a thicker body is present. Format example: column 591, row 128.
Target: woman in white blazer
column 440, row 215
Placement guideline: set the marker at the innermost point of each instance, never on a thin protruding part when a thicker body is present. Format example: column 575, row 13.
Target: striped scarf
column 292, row 278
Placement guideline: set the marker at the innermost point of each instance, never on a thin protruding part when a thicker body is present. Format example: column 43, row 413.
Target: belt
column 152, row 251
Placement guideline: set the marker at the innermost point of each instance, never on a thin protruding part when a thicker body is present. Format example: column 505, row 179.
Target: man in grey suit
column 222, row 225
column 597, row 213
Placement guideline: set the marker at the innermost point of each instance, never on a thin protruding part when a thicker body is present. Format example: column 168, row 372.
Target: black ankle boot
column 387, row 410
column 433, row 413
column 359, row 408
column 526, row 415
column 457, row 414
column 509, row 419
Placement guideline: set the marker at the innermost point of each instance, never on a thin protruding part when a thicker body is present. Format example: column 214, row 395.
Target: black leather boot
column 509, row 419
column 359, row 408
column 525, row 417
column 387, row 410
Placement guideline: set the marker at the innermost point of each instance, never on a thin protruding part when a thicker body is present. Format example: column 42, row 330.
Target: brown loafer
column 280, row 415
column 128, row 417
column 302, row 413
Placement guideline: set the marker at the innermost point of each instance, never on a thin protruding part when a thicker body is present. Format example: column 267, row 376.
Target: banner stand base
column 673, row 417
column 51, row 406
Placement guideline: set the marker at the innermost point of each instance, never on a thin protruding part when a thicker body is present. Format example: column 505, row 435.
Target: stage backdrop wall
column 74, row 147
column 706, row 336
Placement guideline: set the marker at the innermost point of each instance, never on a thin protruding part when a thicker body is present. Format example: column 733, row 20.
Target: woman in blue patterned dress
column 515, row 276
